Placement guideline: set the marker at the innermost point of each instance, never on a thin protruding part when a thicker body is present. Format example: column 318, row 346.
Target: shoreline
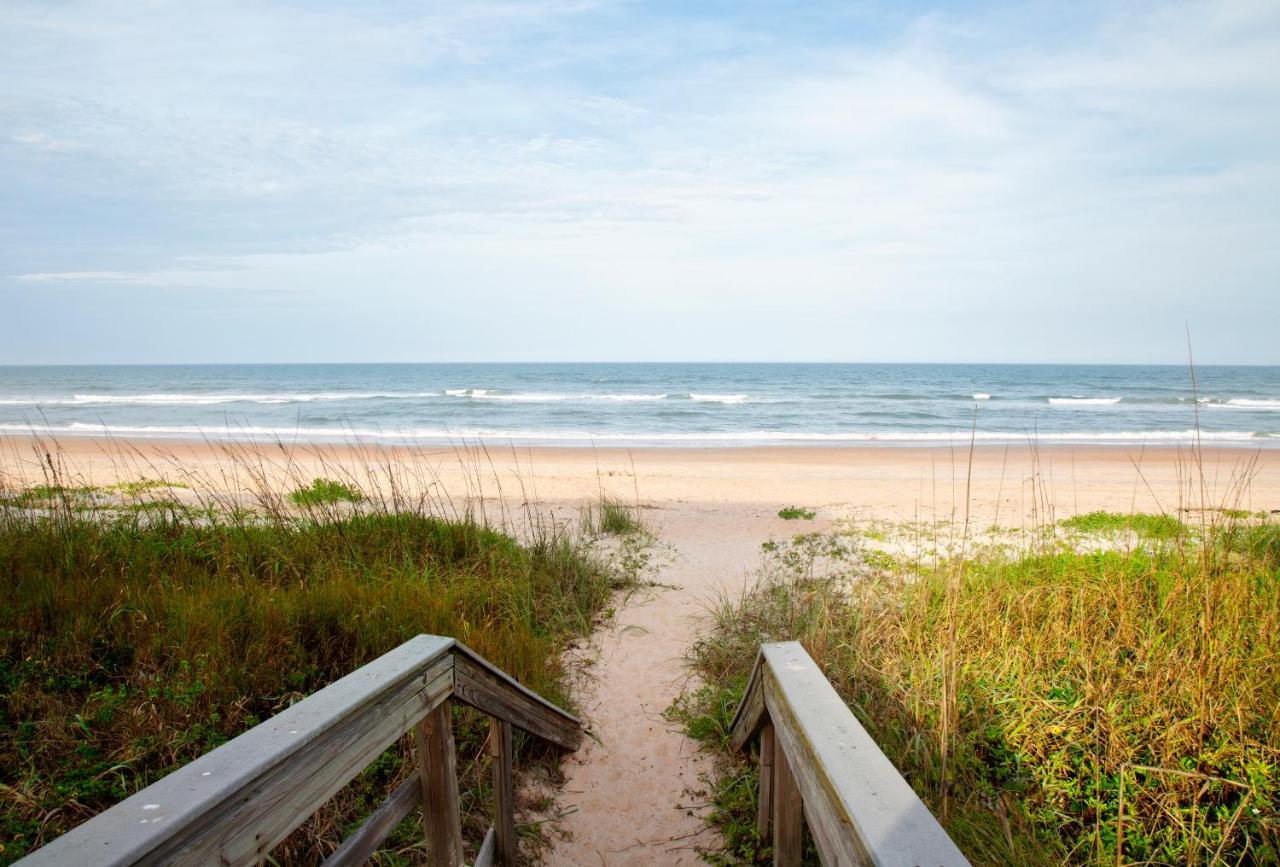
column 1186, row 439
column 83, row 442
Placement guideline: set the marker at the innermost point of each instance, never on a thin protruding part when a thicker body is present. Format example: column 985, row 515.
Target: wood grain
column 438, row 775
column 485, row 688
column 857, row 806
column 234, row 804
column 764, row 818
column 356, row 849
column 788, row 816
column 502, row 754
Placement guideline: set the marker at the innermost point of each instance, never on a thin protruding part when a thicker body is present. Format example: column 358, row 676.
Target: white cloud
column 595, row 155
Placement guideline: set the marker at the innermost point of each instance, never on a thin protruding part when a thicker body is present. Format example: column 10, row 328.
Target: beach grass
column 611, row 517
column 1143, row 524
column 136, row 637
column 325, row 492
column 796, row 513
column 1050, row 706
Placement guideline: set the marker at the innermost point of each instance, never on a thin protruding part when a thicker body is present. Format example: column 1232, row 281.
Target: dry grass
column 1050, row 705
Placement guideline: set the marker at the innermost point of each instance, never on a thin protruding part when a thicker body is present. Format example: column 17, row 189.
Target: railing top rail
column 483, row 685
column 236, row 802
column 860, row 809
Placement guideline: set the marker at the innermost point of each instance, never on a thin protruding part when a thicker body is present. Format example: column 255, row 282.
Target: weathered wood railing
column 817, row 763
column 237, row 802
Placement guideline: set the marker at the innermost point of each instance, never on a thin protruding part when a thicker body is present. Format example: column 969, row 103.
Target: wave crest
column 1083, row 401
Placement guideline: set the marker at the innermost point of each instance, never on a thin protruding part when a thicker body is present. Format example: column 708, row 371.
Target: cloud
column 1008, row 167
column 95, row 276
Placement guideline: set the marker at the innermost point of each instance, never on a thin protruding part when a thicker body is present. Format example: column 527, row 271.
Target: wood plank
column 484, row 858
column 485, row 688
column 237, row 802
column 764, row 817
column 502, row 754
column 438, row 776
column 859, row 808
column 365, row 840
column 750, row 715
column 788, row 816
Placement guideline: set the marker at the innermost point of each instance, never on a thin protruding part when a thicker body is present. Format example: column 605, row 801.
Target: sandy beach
column 634, row 794
column 1010, row 485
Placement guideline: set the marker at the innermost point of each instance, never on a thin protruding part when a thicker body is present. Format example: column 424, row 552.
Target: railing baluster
column 788, row 813
column 764, row 819
column 437, row 770
column 504, row 801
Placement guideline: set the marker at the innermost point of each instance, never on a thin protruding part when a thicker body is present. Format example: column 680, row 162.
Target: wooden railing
column 237, row 802
column 819, row 765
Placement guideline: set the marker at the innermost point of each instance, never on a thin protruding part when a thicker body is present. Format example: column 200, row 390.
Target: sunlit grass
column 1117, row 704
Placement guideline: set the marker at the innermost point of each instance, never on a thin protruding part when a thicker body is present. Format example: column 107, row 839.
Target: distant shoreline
column 1128, row 440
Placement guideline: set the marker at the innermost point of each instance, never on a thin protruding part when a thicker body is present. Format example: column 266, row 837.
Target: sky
column 555, row 180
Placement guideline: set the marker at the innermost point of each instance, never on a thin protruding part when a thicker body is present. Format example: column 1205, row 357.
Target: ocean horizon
column 650, row 404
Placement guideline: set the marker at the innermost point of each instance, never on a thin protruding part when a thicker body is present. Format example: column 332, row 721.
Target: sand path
column 637, row 792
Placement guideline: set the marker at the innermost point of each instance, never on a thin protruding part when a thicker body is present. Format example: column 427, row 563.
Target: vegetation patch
column 325, row 492
column 131, row 644
column 611, row 517
column 1109, row 707
column 138, row 487
column 796, row 513
column 52, row 496
column 1144, row 525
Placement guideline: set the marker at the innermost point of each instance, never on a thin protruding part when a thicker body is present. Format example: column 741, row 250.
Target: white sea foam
column 554, row 397
column 1083, row 401
column 581, row 436
column 718, row 398
column 981, row 395
column 1252, row 403
column 210, row 399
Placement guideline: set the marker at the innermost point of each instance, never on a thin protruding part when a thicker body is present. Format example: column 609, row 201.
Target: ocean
column 649, row 404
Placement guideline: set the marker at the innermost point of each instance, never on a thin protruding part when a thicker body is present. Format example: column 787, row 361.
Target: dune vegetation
column 1053, row 705
column 133, row 640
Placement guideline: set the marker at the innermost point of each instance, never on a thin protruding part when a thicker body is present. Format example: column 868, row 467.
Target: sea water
column 650, row 404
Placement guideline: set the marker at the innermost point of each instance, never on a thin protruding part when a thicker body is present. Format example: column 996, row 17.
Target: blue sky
column 386, row 181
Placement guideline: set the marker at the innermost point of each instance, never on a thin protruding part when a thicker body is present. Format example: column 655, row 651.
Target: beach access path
column 636, row 791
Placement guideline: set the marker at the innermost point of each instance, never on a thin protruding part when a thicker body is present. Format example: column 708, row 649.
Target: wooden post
column 788, row 814
column 765, row 815
column 504, row 798
column 437, row 770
